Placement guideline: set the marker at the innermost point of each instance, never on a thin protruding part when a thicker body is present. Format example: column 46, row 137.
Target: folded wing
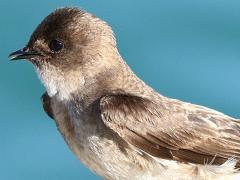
column 173, row 130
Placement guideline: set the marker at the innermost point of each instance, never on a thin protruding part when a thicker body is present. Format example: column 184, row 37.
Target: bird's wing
column 173, row 130
column 46, row 102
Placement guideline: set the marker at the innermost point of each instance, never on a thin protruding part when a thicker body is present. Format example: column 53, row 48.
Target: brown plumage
column 187, row 134
column 117, row 125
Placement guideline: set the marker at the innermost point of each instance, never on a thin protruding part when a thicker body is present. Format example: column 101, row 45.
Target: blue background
column 184, row 49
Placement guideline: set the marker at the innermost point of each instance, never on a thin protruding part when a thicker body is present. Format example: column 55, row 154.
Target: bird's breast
column 94, row 149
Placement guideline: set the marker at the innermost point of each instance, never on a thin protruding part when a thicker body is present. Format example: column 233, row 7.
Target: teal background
column 185, row 49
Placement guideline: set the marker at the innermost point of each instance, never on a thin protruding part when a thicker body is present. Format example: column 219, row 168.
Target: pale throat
column 59, row 84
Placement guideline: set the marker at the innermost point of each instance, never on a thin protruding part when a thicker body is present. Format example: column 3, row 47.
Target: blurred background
column 186, row 49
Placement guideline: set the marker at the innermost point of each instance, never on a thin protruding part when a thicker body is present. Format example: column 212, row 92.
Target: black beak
column 24, row 53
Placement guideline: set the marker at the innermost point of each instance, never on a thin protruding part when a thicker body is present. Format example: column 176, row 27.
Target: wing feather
column 179, row 131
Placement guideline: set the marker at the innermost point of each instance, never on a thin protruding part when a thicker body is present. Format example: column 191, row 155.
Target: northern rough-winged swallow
column 117, row 125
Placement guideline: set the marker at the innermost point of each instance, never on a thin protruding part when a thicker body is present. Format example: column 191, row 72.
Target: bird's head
column 69, row 48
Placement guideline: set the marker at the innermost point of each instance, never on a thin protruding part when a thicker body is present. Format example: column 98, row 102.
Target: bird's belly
column 104, row 158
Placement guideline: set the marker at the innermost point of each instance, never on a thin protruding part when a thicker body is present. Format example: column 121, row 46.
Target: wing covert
column 180, row 132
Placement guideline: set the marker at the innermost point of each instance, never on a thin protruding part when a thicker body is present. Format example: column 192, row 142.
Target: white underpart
column 178, row 171
column 57, row 83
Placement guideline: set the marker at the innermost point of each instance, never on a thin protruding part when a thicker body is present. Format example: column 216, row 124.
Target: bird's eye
column 56, row 45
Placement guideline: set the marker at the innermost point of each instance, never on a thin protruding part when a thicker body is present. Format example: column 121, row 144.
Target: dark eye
column 56, row 45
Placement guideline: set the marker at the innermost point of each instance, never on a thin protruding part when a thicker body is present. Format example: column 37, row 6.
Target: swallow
column 115, row 123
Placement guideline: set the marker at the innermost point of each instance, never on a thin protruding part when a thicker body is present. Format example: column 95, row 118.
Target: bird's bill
column 24, row 53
